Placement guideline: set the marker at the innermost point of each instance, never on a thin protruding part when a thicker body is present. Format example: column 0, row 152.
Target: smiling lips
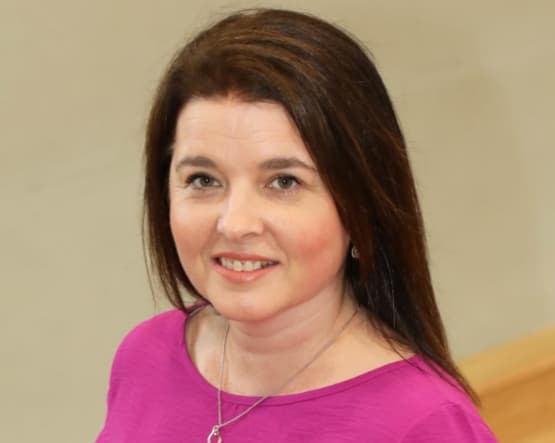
column 242, row 268
column 244, row 265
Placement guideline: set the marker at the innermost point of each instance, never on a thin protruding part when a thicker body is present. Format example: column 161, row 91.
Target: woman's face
column 257, row 232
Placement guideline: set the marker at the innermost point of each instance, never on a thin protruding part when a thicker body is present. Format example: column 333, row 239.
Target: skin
column 223, row 198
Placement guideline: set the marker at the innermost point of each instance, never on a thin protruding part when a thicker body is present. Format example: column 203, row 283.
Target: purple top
column 157, row 395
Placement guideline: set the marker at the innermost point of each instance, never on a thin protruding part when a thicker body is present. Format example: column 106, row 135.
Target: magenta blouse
column 156, row 395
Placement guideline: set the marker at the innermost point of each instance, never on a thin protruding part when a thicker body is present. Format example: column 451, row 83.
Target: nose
column 240, row 216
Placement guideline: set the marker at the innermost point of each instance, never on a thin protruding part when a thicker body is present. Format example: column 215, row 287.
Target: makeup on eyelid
column 207, row 179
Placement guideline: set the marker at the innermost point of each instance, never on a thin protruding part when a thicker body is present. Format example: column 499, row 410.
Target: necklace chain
column 216, row 429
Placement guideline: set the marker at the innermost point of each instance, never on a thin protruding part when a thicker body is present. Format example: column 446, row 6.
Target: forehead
column 253, row 127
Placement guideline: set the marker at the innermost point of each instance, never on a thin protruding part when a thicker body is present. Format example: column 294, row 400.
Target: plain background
column 473, row 86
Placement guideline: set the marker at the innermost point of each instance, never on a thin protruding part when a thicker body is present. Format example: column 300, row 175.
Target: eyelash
column 192, row 178
column 190, row 181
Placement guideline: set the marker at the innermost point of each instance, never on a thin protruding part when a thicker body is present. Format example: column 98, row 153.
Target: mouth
column 244, row 265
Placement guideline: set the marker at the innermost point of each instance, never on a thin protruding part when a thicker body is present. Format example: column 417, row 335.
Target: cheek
column 178, row 225
column 188, row 233
column 320, row 240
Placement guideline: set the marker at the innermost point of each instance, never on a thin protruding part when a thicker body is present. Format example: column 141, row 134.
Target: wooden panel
column 516, row 384
column 522, row 409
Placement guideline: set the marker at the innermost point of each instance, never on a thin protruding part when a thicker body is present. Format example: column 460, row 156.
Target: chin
column 245, row 313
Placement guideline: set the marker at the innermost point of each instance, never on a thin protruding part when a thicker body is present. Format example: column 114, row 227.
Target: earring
column 354, row 252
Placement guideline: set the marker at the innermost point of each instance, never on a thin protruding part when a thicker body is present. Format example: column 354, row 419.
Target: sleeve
column 113, row 388
column 128, row 365
column 135, row 367
column 450, row 423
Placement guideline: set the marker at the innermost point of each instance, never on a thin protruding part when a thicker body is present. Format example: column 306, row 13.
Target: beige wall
column 473, row 83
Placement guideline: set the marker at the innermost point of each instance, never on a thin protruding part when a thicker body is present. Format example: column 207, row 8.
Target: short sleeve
column 135, row 366
column 113, row 389
column 450, row 423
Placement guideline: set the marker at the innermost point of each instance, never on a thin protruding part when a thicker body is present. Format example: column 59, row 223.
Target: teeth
column 246, row 265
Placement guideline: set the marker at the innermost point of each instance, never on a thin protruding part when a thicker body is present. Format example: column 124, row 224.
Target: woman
column 279, row 194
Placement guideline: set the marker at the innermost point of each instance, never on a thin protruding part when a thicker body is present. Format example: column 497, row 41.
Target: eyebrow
column 270, row 164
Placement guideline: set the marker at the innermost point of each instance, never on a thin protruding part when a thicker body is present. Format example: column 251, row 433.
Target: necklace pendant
column 215, row 434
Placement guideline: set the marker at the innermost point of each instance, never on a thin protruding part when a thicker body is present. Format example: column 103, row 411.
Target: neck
column 260, row 356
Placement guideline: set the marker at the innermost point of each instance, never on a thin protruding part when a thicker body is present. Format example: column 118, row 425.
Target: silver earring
column 354, row 252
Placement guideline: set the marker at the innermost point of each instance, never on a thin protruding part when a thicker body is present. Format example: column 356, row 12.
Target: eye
column 202, row 181
column 284, row 182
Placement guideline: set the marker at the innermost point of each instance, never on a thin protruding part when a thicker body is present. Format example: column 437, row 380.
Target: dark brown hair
column 335, row 96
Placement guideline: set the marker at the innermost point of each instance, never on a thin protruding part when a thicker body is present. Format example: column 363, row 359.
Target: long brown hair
column 334, row 94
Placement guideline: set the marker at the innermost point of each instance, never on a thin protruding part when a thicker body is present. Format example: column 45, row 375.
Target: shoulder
column 152, row 339
column 159, row 327
column 449, row 422
column 156, row 327
column 414, row 383
column 433, row 407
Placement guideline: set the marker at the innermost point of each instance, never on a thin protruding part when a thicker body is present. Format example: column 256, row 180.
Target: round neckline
column 199, row 380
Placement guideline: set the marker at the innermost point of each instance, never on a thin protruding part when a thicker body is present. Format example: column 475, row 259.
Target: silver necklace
column 215, row 435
